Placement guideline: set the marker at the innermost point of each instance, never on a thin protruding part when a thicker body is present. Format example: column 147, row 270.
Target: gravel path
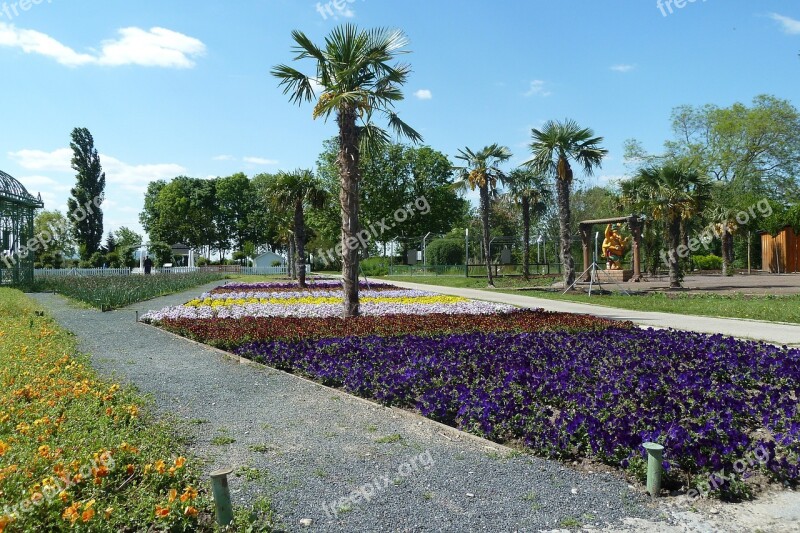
column 311, row 449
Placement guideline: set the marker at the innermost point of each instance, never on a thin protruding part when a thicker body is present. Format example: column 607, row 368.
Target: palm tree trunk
column 564, row 215
column 526, row 236
column 290, row 262
column 300, row 238
column 727, row 250
column 348, row 160
column 484, row 190
column 674, row 242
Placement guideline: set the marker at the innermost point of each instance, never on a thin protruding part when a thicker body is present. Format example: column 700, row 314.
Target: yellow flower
column 180, row 461
column 160, row 466
column 107, row 512
column 172, row 495
column 190, row 511
column 3, row 448
column 162, row 512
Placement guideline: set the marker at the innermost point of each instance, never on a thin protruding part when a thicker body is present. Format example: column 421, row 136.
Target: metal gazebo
column 17, row 210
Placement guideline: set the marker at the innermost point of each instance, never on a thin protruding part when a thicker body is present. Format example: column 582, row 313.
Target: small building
column 780, row 254
column 267, row 259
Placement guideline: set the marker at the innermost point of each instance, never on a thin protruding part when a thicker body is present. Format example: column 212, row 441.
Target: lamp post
column 424, row 258
column 466, row 252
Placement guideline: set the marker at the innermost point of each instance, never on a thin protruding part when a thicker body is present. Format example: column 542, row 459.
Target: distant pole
column 466, row 255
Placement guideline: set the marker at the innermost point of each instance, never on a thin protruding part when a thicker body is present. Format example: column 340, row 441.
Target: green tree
column 299, row 189
column 553, row 147
column 128, row 241
column 55, row 226
column 672, row 194
column 88, row 193
column 393, row 177
column 480, row 171
column 531, row 193
column 235, row 202
column 754, row 149
column 357, row 82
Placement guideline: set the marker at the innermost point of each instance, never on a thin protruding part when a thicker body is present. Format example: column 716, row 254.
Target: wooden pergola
column 634, row 222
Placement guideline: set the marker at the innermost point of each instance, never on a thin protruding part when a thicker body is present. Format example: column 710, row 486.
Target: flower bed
column 564, row 385
column 230, row 333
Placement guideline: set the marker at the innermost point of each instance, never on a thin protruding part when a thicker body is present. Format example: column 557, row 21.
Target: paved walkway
column 778, row 333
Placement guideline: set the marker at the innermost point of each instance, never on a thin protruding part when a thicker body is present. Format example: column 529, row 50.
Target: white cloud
column 157, row 47
column 135, row 178
column 259, row 161
column 789, row 25
column 129, row 177
column 55, row 161
column 623, row 68
column 537, row 88
column 424, row 94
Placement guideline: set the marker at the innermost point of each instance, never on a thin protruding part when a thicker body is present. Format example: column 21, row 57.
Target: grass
column 772, row 308
column 80, row 452
column 477, row 282
column 112, row 292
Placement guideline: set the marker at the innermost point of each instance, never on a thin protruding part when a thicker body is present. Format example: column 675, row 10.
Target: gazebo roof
column 13, row 191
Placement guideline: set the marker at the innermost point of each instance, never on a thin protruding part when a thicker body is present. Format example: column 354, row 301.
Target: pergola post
column 636, row 228
column 586, row 231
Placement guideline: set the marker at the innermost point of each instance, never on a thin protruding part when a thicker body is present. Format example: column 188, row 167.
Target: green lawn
column 772, row 308
column 477, row 282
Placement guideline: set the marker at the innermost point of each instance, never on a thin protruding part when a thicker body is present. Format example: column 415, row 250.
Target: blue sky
column 183, row 87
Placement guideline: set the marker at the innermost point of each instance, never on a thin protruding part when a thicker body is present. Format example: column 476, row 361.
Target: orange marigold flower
column 180, row 461
column 172, row 495
column 87, row 515
column 4, row 521
column 162, row 512
column 44, row 451
column 37, row 497
column 63, row 496
column 160, row 466
column 129, row 469
column 3, row 448
column 71, row 513
column 189, row 493
column 190, row 511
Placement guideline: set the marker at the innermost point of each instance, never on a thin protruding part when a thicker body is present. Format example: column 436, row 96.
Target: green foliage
column 112, row 292
column 375, row 266
column 59, row 416
column 88, row 193
column 445, row 252
column 707, row 262
column 55, row 226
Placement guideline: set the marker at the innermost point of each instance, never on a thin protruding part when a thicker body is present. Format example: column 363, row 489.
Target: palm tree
column 672, row 193
column 298, row 189
column 530, row 192
column 553, row 147
column 356, row 81
column 480, row 170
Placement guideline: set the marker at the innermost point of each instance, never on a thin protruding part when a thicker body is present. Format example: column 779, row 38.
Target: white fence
column 67, row 272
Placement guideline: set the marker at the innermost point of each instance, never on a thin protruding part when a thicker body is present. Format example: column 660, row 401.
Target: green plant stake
column 222, row 496
column 655, row 455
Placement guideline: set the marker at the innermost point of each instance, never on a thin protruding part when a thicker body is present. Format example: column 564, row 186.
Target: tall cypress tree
column 88, row 193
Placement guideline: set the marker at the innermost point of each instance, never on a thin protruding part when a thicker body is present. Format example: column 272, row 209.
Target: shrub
column 445, row 252
column 375, row 266
column 707, row 262
column 276, row 263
